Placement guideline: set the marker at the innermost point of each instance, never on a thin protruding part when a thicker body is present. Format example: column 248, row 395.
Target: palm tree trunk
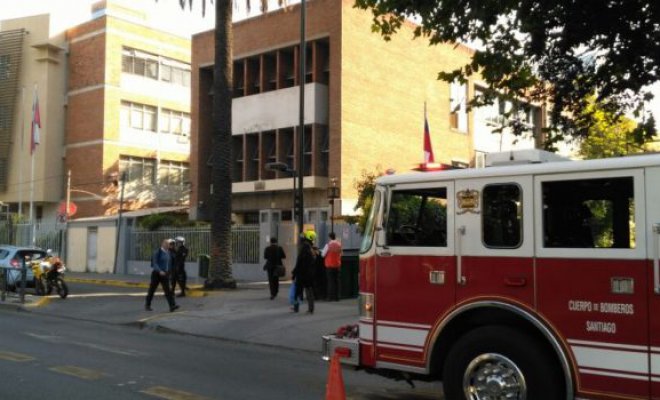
column 220, row 274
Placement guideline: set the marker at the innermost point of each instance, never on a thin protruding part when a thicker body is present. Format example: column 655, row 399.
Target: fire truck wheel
column 497, row 362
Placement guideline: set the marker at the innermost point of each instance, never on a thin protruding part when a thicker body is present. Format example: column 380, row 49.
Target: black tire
column 62, row 288
column 527, row 370
column 39, row 287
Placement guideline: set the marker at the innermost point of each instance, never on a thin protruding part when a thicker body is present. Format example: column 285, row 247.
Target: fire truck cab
column 530, row 279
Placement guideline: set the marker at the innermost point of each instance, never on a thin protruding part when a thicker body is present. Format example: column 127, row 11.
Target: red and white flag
column 36, row 124
column 428, row 149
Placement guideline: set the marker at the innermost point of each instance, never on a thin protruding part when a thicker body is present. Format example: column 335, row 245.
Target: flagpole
column 20, row 158
column 32, row 151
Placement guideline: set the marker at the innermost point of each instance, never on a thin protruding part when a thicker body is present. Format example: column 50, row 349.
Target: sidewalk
column 242, row 315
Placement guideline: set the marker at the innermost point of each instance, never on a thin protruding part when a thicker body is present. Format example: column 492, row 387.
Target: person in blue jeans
column 161, row 265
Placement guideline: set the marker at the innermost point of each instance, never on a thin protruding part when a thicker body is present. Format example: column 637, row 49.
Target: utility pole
column 301, row 136
column 66, row 214
column 121, row 206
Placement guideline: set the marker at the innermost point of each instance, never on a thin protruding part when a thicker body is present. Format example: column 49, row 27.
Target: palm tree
column 220, row 271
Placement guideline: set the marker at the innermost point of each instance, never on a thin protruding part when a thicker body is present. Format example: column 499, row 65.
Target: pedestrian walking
column 331, row 254
column 179, row 263
column 303, row 273
column 274, row 254
column 161, row 265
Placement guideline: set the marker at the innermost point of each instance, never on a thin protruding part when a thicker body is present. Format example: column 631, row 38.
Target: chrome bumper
column 351, row 346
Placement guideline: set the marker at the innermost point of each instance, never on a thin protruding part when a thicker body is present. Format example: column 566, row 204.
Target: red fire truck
column 526, row 280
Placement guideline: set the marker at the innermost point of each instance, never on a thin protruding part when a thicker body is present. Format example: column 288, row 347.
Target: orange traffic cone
column 334, row 389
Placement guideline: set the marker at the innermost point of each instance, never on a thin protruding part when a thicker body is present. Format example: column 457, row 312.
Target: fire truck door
column 415, row 271
column 494, row 239
column 593, row 277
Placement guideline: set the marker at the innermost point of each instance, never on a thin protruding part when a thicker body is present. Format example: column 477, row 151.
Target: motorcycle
column 49, row 274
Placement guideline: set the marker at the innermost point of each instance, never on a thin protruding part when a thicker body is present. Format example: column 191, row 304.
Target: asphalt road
column 44, row 356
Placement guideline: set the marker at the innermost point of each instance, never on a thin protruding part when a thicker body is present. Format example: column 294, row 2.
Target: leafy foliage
column 550, row 51
column 365, row 186
column 611, row 135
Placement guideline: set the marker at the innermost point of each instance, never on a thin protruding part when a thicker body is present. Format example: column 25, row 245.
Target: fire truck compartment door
column 415, row 271
column 593, row 277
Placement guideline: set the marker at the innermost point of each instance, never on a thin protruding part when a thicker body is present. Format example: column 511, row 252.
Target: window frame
column 386, row 201
column 519, row 212
column 639, row 252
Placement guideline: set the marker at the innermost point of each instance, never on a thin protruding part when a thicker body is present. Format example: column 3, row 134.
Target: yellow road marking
column 9, row 356
column 82, row 373
column 172, row 394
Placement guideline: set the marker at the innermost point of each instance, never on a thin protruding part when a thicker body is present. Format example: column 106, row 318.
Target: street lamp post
column 283, row 167
column 333, row 194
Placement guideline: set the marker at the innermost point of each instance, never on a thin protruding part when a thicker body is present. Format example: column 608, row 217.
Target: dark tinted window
column 502, row 216
column 418, row 217
column 589, row 213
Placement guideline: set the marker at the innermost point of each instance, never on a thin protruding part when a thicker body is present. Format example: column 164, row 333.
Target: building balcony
column 279, row 109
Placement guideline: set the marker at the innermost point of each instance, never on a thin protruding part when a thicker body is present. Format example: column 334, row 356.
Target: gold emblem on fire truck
column 468, row 201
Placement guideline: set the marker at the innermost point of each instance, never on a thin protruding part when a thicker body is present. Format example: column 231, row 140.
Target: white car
column 11, row 261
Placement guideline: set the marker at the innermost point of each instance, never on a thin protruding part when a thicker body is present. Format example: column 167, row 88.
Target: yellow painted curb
column 194, row 291
column 43, row 301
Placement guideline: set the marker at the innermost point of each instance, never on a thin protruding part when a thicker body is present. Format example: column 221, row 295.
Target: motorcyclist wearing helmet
column 179, row 264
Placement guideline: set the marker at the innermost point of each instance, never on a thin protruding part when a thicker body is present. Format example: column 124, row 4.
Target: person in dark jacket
column 179, row 263
column 274, row 254
column 161, row 265
column 304, row 272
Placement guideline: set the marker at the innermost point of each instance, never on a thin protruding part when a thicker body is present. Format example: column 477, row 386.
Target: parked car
column 11, row 259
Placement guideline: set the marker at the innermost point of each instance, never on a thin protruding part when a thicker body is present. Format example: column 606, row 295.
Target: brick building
column 114, row 97
column 364, row 108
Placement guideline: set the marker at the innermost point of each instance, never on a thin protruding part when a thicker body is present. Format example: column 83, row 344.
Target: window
column 175, row 122
column 149, row 65
column 589, row 213
column 138, row 116
column 140, row 170
column 418, row 217
column 173, row 173
column 502, row 216
column 458, row 117
column 4, row 66
column 139, row 63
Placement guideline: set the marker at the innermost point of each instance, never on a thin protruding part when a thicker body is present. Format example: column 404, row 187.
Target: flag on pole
column 428, row 149
column 36, row 124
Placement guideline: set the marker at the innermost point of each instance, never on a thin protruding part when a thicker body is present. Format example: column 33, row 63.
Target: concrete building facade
column 364, row 108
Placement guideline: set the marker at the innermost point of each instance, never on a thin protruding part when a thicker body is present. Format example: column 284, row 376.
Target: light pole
column 333, row 194
column 122, row 181
column 301, row 116
column 283, row 167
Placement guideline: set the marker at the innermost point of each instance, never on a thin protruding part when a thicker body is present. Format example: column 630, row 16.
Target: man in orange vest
column 332, row 259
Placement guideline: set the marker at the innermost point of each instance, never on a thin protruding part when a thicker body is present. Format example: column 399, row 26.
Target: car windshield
column 3, row 253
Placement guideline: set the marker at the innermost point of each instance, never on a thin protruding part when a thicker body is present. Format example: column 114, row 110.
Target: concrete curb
column 42, row 301
column 192, row 291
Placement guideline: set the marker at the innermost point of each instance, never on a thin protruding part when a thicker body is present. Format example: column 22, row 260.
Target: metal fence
column 46, row 235
column 244, row 242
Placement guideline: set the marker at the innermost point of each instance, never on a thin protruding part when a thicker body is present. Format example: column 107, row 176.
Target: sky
column 162, row 14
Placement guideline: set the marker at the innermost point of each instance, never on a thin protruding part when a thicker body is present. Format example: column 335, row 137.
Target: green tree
column 610, row 135
column 551, row 51
column 220, row 271
column 365, row 186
